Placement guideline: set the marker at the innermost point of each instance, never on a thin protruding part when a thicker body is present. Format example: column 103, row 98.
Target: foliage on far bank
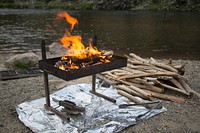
column 183, row 5
column 46, row 5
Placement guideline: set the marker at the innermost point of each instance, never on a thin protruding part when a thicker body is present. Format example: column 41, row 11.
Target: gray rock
column 56, row 48
column 22, row 60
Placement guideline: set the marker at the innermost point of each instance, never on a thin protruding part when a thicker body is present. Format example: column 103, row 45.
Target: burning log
column 107, row 53
column 69, row 59
column 70, row 62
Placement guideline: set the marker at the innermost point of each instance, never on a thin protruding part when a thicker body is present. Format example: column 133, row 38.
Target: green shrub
column 7, row 1
column 21, row 65
column 153, row 7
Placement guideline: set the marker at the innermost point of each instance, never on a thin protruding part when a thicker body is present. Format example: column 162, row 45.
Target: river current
column 157, row 34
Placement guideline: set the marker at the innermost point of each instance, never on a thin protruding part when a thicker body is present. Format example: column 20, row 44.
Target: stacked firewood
column 149, row 79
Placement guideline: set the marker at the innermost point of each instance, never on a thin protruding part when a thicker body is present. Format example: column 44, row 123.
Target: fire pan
column 47, row 65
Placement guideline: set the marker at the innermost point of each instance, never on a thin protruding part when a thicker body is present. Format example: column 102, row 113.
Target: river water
column 163, row 34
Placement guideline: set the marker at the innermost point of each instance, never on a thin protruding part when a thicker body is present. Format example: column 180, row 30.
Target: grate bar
column 19, row 73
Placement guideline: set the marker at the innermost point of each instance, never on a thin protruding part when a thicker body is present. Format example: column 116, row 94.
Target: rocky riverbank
column 179, row 117
column 180, row 5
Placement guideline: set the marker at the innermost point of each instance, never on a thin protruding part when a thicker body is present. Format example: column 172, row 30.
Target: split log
column 161, row 65
column 149, row 86
column 146, row 68
column 176, row 83
column 172, row 88
column 107, row 80
column 138, row 66
column 139, row 85
column 134, row 62
column 129, row 58
column 150, row 79
column 188, row 89
column 152, row 59
column 155, row 89
column 121, row 74
column 116, row 70
column 130, row 97
column 131, row 70
column 180, row 68
column 165, row 77
column 145, row 94
column 145, row 86
column 111, row 75
column 140, row 81
column 148, row 74
column 132, row 92
column 138, row 58
column 166, row 97
column 167, row 62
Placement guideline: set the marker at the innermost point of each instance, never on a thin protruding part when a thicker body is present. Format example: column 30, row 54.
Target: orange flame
column 74, row 43
column 71, row 20
column 76, row 49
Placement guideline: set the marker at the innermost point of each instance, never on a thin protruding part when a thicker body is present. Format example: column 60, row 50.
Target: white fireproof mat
column 100, row 115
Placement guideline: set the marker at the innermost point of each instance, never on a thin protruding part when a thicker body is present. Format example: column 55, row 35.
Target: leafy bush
column 21, row 65
column 153, row 7
column 7, row 1
column 195, row 1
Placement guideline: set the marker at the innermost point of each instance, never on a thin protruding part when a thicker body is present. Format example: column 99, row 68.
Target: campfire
column 79, row 61
column 78, row 55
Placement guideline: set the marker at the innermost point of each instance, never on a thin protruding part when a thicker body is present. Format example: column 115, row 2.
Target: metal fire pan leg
column 46, row 86
column 45, row 74
column 94, row 83
column 93, row 91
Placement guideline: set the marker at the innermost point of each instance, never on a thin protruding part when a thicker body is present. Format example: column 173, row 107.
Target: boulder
column 56, row 48
column 25, row 60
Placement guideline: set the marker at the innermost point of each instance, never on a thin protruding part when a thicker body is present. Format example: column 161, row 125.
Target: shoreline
column 182, row 117
column 178, row 118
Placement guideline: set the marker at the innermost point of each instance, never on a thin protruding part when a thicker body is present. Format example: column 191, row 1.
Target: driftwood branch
column 133, row 92
column 166, row 97
column 129, row 96
column 188, row 89
column 161, row 65
column 148, row 75
column 172, row 88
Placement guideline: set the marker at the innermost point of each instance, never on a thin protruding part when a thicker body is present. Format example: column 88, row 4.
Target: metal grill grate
column 19, row 73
